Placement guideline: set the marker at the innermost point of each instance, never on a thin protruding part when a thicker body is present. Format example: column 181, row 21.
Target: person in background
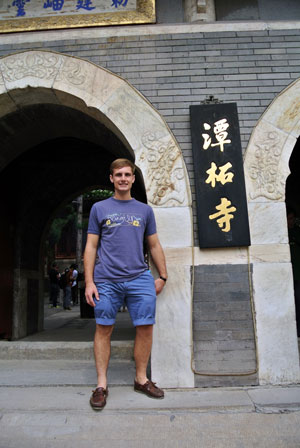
column 74, row 289
column 67, row 289
column 54, row 276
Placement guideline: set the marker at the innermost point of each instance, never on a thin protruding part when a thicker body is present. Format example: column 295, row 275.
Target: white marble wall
column 266, row 169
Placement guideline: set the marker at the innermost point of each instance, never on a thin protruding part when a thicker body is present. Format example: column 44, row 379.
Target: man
column 115, row 271
column 54, row 285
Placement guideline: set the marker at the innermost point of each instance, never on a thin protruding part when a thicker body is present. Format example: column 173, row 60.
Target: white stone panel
column 76, row 77
column 270, row 253
column 174, row 226
column 265, row 166
column 228, row 255
column 261, row 253
column 276, row 325
column 133, row 115
column 105, row 84
column 31, row 68
column 172, row 343
column 285, row 109
column 268, row 224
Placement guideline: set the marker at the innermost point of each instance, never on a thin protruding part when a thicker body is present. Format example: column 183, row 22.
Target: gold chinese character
column 220, row 128
column 225, row 214
column 221, row 134
column 207, row 139
column 222, row 177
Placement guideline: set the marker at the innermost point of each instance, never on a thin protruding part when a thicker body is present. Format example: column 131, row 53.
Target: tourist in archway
column 115, row 271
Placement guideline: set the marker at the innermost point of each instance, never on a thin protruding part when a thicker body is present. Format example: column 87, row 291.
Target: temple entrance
column 48, row 175
column 46, row 99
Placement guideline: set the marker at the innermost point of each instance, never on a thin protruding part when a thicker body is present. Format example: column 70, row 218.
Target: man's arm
column 158, row 257
column 89, row 259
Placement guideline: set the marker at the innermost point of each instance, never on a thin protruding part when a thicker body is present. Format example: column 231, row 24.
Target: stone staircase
column 63, row 354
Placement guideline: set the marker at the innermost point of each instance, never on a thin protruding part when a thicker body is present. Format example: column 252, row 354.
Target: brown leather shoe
column 98, row 398
column 149, row 389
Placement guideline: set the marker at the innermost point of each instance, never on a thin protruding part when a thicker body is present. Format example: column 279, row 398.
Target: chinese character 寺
column 20, row 4
column 222, row 177
column 117, row 3
column 224, row 214
column 85, row 4
column 56, row 5
column 220, row 128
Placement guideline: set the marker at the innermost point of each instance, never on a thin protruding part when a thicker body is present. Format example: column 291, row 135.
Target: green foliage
column 98, row 194
column 67, row 215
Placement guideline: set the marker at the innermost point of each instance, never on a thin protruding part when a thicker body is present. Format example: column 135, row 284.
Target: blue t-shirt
column 121, row 226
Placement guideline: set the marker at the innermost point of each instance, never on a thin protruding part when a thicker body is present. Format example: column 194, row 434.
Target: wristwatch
column 163, row 278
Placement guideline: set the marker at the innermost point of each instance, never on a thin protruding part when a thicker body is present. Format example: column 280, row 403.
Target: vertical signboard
column 219, row 176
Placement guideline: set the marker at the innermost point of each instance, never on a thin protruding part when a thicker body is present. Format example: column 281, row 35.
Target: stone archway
column 266, row 170
column 38, row 77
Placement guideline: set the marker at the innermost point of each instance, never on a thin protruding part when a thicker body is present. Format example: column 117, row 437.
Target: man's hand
column 159, row 285
column 91, row 292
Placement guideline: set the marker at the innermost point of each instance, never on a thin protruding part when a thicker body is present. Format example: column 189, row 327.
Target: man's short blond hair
column 120, row 163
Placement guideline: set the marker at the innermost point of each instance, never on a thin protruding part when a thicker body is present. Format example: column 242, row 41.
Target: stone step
column 67, row 350
column 62, row 372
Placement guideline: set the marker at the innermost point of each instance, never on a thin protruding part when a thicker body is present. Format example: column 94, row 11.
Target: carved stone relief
column 42, row 65
column 264, row 167
column 72, row 72
column 165, row 171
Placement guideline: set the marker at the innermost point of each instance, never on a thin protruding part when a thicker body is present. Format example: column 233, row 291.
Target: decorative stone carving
column 1, row 78
column 42, row 65
column 72, row 72
column 165, row 171
column 264, row 168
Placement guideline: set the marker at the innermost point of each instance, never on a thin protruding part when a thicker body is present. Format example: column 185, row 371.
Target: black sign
column 219, row 177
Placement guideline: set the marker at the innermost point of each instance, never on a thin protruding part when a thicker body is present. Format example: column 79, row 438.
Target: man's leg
column 102, row 352
column 142, row 351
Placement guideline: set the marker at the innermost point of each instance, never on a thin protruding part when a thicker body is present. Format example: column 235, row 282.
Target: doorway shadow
column 65, row 325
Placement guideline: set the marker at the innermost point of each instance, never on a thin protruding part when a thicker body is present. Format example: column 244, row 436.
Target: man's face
column 122, row 178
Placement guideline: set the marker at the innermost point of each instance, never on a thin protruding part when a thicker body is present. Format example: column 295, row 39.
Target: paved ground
column 51, row 417
column 44, row 401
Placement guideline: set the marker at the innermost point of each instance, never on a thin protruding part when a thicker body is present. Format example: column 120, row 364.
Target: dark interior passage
column 52, row 154
column 293, row 220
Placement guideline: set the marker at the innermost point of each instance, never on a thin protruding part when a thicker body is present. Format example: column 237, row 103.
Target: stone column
column 266, row 170
column 199, row 11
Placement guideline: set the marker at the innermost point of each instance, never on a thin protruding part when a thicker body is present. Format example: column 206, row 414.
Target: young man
column 115, row 270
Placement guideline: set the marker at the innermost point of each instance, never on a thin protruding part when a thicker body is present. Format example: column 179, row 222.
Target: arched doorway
column 46, row 99
column 266, row 170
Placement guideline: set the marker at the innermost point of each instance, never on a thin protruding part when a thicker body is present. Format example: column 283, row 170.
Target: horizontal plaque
column 32, row 15
column 219, row 176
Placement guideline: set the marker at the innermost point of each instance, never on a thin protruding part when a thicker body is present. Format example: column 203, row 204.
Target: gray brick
column 225, row 381
column 226, row 355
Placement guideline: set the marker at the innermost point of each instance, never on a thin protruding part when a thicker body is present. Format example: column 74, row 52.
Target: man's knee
column 144, row 330
column 104, row 330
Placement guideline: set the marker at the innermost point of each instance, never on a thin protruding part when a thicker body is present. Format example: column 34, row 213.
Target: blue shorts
column 138, row 295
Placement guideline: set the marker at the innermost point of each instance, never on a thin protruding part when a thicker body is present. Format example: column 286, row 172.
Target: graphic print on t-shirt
column 125, row 219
